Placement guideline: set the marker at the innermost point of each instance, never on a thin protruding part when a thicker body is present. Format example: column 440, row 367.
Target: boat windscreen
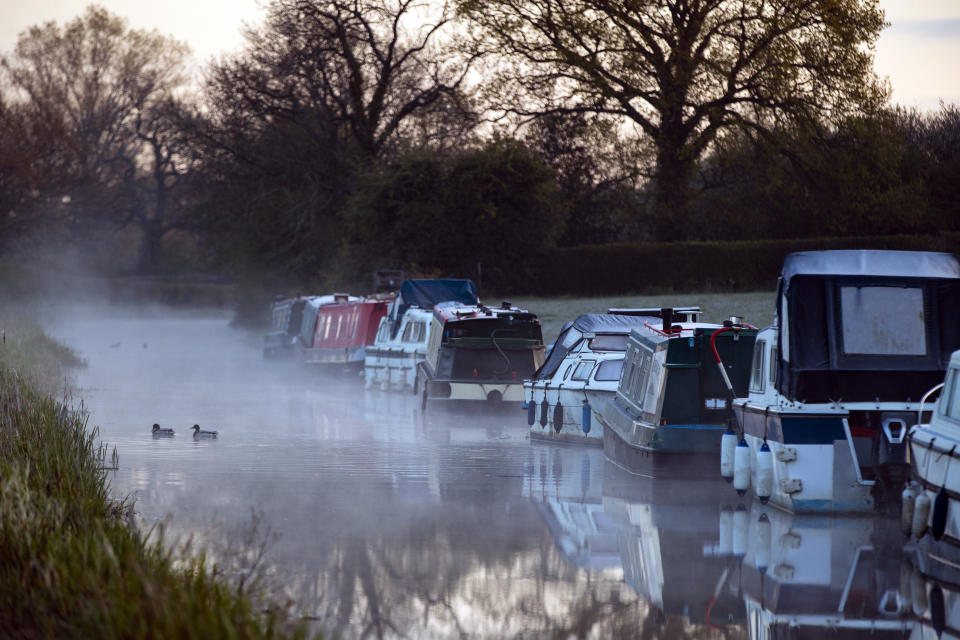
column 522, row 326
column 612, row 342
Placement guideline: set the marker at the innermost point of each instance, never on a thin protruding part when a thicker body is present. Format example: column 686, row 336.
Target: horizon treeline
column 446, row 137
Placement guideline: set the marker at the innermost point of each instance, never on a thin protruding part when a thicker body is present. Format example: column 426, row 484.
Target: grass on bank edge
column 70, row 565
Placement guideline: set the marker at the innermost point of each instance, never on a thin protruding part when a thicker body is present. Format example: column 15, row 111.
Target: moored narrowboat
column 672, row 404
column 479, row 353
column 286, row 317
column 337, row 329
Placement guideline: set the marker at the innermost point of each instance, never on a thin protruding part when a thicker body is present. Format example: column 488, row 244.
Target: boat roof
column 427, row 292
column 595, row 323
column 873, row 263
column 449, row 311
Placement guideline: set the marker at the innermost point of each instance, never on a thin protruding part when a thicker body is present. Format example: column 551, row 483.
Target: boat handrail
column 671, row 333
column 923, row 401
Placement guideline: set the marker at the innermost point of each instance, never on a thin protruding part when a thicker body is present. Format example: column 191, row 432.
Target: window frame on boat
column 589, row 365
column 604, row 365
column 758, row 372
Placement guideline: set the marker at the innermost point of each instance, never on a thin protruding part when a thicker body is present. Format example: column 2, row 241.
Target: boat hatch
column 866, row 326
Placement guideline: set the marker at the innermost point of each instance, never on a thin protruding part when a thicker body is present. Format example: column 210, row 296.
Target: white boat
column 582, row 372
column 858, row 339
column 390, row 364
column 935, row 462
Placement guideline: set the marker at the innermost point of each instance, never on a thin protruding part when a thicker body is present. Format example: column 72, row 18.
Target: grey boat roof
column 871, row 262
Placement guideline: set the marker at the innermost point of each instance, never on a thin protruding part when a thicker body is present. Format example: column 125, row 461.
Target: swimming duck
column 157, row 431
column 200, row 433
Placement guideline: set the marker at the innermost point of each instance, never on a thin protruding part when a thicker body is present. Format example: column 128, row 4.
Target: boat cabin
column 401, row 342
column 477, row 352
column 670, row 377
column 865, row 325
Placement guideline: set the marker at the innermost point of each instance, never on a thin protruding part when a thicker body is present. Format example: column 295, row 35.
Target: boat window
column 784, row 330
column 609, row 343
column 883, row 321
column 653, row 388
column 773, row 368
column 757, row 377
column 639, row 381
column 609, row 370
column 582, row 372
column 408, row 332
column 327, row 321
column 953, row 409
column 946, row 394
column 384, row 333
column 570, row 339
column 630, row 361
column 567, row 372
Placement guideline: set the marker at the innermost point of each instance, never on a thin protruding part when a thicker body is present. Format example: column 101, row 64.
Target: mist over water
column 387, row 523
column 382, row 522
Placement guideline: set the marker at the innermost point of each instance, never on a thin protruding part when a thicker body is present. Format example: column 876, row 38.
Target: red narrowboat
column 337, row 331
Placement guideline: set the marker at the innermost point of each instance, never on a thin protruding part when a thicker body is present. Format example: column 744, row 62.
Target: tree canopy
column 683, row 71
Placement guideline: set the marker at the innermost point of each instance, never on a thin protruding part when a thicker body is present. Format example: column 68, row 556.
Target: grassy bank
column 70, row 566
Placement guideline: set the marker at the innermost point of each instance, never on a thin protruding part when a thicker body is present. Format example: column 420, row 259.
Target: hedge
column 650, row 267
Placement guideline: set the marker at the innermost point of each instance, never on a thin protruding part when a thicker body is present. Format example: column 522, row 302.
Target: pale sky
column 919, row 52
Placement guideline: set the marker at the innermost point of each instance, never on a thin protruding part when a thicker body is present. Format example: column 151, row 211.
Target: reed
column 71, row 566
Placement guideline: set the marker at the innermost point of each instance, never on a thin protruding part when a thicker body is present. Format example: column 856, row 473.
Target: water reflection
column 391, row 523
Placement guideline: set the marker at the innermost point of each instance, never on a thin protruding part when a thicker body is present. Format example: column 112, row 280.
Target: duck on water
column 199, row 433
column 159, row 432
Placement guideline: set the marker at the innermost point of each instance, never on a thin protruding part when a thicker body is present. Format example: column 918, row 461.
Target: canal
column 375, row 520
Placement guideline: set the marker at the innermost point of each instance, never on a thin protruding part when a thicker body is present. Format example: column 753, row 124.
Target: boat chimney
column 667, row 314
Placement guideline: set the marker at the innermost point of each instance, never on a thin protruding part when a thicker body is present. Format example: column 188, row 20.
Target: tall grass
column 70, row 564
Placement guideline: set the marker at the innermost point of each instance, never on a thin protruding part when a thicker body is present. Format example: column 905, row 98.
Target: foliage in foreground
column 71, row 566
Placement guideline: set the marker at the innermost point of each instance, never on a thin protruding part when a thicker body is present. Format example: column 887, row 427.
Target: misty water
column 378, row 521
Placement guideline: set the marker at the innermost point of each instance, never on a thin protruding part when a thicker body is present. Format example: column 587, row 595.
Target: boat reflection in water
column 565, row 483
column 708, row 562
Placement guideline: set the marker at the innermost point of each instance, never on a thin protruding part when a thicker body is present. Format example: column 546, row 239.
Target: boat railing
column 923, row 401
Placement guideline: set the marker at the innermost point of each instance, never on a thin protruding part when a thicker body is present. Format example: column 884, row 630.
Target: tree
column 324, row 91
column 83, row 94
column 684, row 71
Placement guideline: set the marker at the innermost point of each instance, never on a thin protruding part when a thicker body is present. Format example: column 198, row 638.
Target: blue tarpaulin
column 425, row 293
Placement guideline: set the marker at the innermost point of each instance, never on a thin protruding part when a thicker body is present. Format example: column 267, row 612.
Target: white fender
column 741, row 467
column 764, row 488
column 918, row 591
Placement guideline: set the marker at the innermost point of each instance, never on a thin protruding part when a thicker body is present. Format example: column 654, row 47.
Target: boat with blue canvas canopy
column 859, row 337
column 391, row 361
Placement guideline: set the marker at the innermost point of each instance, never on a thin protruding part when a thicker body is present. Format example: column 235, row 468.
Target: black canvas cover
column 866, row 325
column 596, row 323
column 426, row 292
